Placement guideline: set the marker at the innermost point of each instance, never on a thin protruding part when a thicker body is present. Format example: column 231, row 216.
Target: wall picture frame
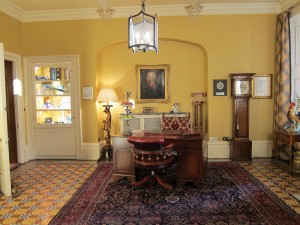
column 262, row 86
column 220, row 87
column 153, row 83
column 87, row 93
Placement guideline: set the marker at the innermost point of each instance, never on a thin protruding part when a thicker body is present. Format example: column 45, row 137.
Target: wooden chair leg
column 162, row 182
column 143, row 181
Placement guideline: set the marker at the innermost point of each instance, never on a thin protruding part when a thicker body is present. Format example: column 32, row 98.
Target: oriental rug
column 230, row 195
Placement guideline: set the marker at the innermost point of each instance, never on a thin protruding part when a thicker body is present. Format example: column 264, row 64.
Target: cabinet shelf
column 53, row 110
column 52, row 95
column 50, row 81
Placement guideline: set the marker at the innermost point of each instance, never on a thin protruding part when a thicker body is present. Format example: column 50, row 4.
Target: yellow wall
column 198, row 51
column 11, row 33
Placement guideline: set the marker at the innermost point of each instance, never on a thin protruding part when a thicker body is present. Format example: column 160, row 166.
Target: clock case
column 241, row 145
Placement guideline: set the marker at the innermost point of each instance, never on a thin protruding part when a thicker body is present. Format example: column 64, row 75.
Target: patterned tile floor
column 276, row 176
column 44, row 186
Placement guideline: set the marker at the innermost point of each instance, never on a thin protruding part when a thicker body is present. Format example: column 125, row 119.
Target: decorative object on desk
column 153, row 83
column 175, row 108
column 199, row 100
column 107, row 95
column 294, row 121
column 148, row 109
column 127, row 103
column 220, row 87
column 87, row 93
column 262, row 86
column 127, row 116
column 143, row 31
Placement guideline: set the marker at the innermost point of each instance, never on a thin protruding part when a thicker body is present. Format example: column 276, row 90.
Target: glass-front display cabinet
column 53, row 95
column 53, row 106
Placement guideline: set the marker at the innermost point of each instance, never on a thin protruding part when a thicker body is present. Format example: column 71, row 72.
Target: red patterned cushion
column 176, row 123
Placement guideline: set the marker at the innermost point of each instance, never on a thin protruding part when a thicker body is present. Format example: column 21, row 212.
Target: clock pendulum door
column 241, row 91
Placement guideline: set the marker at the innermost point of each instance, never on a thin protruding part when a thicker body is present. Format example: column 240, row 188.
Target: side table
column 285, row 138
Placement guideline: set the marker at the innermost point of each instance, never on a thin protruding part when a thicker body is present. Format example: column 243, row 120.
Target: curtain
column 282, row 78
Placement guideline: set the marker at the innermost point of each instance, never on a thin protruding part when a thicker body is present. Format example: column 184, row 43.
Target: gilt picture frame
column 262, row 86
column 153, row 83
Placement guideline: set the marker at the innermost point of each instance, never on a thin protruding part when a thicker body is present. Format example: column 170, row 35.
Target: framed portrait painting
column 153, row 83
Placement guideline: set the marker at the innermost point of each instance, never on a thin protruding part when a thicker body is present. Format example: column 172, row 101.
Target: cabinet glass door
column 52, row 95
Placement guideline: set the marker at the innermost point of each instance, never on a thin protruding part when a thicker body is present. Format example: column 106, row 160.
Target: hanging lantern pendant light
column 143, row 31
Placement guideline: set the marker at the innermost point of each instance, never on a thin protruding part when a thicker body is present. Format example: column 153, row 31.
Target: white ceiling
column 46, row 10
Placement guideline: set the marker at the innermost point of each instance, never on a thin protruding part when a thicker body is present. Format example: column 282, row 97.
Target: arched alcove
column 188, row 73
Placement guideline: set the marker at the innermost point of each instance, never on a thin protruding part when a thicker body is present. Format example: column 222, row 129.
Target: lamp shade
column 107, row 95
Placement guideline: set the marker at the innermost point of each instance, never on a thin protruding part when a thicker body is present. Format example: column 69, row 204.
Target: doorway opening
column 11, row 115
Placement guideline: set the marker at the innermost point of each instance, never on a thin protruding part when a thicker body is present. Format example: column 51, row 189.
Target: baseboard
column 55, row 157
column 262, row 149
column 216, row 150
column 88, row 151
column 221, row 149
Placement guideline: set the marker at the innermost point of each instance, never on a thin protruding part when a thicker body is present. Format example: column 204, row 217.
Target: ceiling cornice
column 11, row 10
column 124, row 12
column 286, row 4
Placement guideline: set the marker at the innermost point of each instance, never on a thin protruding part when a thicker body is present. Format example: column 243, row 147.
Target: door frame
column 19, row 110
column 5, row 182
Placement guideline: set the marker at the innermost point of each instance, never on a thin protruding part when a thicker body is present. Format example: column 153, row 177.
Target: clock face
column 242, row 87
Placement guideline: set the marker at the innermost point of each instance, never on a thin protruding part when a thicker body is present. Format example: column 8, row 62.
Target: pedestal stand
column 296, row 160
column 127, row 118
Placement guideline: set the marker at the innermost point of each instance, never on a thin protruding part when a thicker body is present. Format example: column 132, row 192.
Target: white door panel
column 5, row 183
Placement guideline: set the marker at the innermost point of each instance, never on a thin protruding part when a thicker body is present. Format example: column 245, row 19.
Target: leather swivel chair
column 151, row 155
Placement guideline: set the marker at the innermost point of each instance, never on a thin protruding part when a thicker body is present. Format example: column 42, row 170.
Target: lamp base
column 106, row 149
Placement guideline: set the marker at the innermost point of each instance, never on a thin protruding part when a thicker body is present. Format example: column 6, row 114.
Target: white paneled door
column 5, row 186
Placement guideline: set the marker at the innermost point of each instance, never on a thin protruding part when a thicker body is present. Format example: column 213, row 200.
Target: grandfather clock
column 241, row 91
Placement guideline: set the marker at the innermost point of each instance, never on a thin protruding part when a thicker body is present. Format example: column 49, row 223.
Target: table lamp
column 107, row 95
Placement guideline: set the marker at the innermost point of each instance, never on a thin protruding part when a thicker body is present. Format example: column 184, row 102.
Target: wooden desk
column 289, row 139
column 191, row 156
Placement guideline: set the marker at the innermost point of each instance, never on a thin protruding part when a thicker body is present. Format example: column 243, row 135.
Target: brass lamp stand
column 107, row 148
column 106, row 95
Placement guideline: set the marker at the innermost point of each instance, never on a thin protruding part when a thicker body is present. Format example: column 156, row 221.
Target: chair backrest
column 151, row 153
column 176, row 123
column 146, row 143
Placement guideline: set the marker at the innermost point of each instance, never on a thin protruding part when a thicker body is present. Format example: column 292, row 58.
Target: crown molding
column 11, row 10
column 287, row 4
column 124, row 12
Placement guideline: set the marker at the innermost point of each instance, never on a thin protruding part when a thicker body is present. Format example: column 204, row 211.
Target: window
column 295, row 58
